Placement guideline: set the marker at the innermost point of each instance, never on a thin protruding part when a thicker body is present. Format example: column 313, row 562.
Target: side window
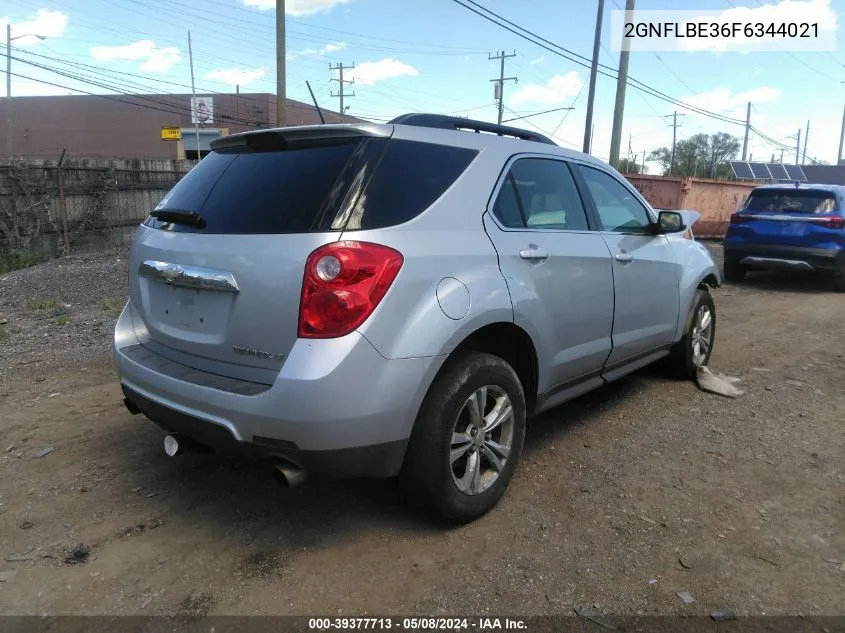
column 617, row 207
column 506, row 207
column 544, row 194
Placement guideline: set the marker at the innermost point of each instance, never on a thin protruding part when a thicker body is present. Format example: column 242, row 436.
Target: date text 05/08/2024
column 758, row 30
column 416, row 624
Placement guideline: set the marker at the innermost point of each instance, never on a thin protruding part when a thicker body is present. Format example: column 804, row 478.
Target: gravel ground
column 624, row 498
column 61, row 311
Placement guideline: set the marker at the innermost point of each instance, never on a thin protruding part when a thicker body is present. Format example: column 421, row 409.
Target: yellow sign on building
column 171, row 134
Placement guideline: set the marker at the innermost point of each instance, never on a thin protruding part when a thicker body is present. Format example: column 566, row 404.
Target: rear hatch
column 789, row 217
column 216, row 277
column 216, row 271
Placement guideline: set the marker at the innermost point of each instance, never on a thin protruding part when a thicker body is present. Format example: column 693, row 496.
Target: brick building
column 120, row 126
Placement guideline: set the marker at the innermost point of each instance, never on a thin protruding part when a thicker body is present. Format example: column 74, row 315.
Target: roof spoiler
column 281, row 137
column 444, row 122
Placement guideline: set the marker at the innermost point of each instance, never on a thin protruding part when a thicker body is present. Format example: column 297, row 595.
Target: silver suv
column 382, row 300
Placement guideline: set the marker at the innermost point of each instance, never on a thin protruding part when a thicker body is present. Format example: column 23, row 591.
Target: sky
column 434, row 56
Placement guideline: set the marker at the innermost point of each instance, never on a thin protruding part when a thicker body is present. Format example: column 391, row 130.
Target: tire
column 429, row 477
column 683, row 359
column 839, row 283
column 734, row 272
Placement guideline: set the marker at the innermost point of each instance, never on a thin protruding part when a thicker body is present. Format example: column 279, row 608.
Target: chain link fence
column 52, row 208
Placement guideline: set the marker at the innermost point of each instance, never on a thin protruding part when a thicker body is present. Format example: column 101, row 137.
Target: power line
column 585, row 62
column 140, row 100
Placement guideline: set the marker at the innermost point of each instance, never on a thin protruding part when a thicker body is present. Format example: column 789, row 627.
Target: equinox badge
column 249, row 351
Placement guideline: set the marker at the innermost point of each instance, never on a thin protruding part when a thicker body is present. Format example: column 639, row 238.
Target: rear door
column 645, row 272
column 558, row 271
column 788, row 217
column 223, row 294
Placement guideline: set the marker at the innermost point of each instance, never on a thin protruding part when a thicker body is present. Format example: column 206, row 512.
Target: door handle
column 624, row 257
column 534, row 252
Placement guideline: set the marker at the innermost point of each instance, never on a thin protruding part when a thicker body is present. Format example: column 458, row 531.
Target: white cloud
column 137, row 50
column 370, row 73
column 328, row 49
column 557, row 90
column 46, row 23
column 161, row 59
column 156, row 60
column 732, row 103
column 785, row 12
column 236, row 76
column 298, row 7
column 538, row 60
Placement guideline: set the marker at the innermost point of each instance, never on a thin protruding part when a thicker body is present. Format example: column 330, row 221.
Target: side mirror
column 670, row 222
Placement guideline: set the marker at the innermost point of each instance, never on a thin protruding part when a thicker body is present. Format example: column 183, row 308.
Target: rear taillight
column 343, row 284
column 835, row 222
column 736, row 218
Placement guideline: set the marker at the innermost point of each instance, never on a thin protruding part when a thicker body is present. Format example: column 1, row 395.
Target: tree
column 704, row 155
column 628, row 166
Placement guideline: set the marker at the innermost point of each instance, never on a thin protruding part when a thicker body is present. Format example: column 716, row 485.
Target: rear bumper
column 337, row 407
column 765, row 256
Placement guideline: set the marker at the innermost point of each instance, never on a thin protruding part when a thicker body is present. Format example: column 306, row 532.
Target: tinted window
column 289, row 191
column 331, row 184
column 798, row 201
column 409, row 178
column 618, row 208
column 506, row 207
column 545, row 194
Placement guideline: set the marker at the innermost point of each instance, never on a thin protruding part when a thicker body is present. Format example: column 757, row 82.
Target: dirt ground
column 625, row 497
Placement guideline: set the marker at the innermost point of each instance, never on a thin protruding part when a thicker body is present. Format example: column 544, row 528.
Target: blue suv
column 789, row 227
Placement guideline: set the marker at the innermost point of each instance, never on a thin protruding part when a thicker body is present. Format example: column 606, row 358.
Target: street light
column 9, row 39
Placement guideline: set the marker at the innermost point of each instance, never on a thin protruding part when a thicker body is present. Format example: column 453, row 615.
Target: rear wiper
column 177, row 216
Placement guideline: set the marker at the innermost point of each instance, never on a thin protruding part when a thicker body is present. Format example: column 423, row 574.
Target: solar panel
column 795, row 173
column 760, row 171
column 742, row 170
column 778, row 171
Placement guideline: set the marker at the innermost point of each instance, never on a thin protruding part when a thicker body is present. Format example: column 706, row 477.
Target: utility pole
column 499, row 91
column 781, row 155
column 592, row 134
column 339, row 67
column 841, row 138
column 675, row 116
column 194, row 109
column 798, row 147
column 747, row 130
column 621, row 85
column 9, row 92
column 594, row 67
column 806, row 138
column 281, row 61
column 9, row 39
column 643, row 169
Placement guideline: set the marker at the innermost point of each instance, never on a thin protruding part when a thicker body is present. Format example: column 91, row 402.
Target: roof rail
column 444, row 122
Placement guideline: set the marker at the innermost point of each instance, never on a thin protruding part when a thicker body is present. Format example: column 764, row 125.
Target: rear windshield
column 334, row 185
column 799, row 201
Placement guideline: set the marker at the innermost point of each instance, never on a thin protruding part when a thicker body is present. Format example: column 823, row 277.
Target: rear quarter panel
column 445, row 241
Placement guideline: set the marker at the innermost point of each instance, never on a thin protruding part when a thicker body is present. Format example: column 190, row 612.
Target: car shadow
column 784, row 281
column 232, row 494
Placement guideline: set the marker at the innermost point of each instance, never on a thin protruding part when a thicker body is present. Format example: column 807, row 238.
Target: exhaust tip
column 171, row 446
column 290, row 476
